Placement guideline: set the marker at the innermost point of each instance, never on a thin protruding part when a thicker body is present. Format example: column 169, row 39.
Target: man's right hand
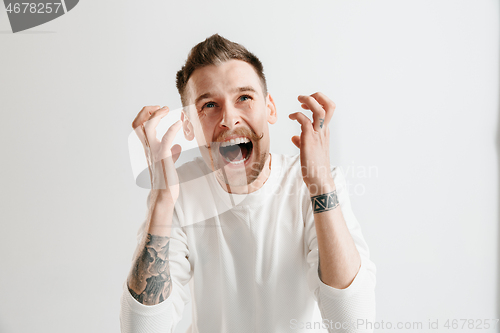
column 149, row 281
column 161, row 155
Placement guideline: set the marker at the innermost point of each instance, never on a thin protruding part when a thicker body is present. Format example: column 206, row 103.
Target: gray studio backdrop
column 415, row 131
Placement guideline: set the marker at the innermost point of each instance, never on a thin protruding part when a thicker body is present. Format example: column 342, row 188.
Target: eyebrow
column 209, row 94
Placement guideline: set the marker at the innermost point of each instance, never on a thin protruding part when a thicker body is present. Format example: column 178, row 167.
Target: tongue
column 235, row 153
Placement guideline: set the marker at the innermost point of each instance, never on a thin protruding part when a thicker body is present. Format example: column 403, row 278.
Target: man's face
column 229, row 117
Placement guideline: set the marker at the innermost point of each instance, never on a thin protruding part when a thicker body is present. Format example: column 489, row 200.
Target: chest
column 259, row 243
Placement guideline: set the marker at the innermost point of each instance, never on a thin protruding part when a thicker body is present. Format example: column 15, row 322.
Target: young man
column 246, row 227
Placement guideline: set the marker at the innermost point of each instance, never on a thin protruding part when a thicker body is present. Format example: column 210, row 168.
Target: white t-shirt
column 253, row 259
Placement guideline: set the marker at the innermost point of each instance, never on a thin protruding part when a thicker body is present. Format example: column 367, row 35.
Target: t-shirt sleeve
column 357, row 301
column 136, row 317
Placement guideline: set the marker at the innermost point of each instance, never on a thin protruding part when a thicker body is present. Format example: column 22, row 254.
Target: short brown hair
column 215, row 50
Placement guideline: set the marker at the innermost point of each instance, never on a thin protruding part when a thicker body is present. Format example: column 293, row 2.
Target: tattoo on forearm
column 321, row 121
column 324, row 202
column 150, row 281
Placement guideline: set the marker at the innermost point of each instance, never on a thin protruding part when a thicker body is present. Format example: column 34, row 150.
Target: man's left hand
column 314, row 142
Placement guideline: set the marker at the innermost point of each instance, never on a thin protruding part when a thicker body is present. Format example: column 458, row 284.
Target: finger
column 176, row 152
column 139, row 121
column 168, row 138
column 144, row 115
column 327, row 104
column 170, row 155
column 153, row 121
column 305, row 122
column 296, row 141
column 317, row 110
column 304, row 106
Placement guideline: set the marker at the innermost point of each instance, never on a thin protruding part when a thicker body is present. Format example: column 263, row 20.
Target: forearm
column 339, row 259
column 149, row 281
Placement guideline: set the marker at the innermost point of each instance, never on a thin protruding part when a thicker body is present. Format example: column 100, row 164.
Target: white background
column 417, row 94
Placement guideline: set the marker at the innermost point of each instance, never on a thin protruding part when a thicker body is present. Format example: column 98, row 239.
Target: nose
column 230, row 117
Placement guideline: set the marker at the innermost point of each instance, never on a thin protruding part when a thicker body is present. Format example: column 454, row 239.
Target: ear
column 187, row 127
column 271, row 108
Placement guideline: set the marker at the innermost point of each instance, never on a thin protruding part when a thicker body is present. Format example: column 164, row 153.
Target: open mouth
column 236, row 151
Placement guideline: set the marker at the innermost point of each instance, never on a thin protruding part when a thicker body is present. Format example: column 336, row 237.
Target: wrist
column 165, row 197
column 324, row 202
column 321, row 187
column 161, row 215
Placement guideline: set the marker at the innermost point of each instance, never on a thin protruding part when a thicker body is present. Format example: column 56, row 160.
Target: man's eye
column 245, row 98
column 209, row 105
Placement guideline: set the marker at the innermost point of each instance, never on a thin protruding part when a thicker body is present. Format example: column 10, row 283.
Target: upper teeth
column 234, row 142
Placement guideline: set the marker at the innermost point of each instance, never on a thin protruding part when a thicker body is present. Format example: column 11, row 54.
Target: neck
column 255, row 185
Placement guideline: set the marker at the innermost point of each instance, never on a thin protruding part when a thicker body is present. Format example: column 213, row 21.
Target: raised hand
column 161, row 155
column 314, row 142
column 149, row 281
